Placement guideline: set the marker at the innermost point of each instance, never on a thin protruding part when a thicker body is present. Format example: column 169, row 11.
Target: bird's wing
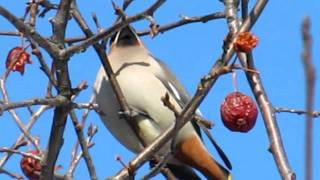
column 177, row 90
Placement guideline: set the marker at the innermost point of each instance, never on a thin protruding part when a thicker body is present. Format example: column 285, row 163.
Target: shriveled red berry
column 31, row 167
column 17, row 58
column 239, row 112
column 245, row 42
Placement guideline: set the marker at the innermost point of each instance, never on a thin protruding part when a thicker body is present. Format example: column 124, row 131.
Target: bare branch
column 161, row 29
column 203, row 89
column 12, row 175
column 44, row 66
column 59, row 23
column 84, row 147
column 105, row 34
column 20, row 140
column 4, row 149
column 92, row 130
column 244, row 8
column 186, row 20
column 315, row 114
column 126, row 4
column 57, row 101
column 47, row 7
column 310, row 86
column 76, row 147
column 28, row 31
column 15, row 115
column 109, row 72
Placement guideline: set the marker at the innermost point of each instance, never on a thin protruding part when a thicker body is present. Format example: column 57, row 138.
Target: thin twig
column 20, row 140
column 92, row 130
column 310, row 86
column 84, row 147
column 56, row 101
column 265, row 105
column 83, row 122
column 126, row 4
column 12, row 175
column 47, row 7
column 315, row 114
column 15, row 115
column 106, row 33
column 193, row 104
column 186, row 20
column 44, row 66
column 124, row 107
column 7, row 150
column 28, row 31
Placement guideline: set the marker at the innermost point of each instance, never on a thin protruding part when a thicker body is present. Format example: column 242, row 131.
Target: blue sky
column 189, row 51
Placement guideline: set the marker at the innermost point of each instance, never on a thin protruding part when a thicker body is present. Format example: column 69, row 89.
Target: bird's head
column 126, row 36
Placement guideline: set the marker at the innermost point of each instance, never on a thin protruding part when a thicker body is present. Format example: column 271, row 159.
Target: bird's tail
column 192, row 152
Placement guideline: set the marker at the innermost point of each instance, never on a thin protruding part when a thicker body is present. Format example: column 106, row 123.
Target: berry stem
column 235, row 82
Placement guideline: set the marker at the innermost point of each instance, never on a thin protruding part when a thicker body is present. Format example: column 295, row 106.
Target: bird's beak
column 127, row 36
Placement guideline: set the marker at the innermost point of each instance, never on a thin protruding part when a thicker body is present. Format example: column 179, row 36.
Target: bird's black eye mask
column 125, row 37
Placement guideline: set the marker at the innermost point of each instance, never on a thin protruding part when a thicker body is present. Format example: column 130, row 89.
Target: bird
column 144, row 80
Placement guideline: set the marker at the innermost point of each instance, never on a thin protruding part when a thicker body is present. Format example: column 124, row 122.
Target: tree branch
column 28, row 31
column 105, row 34
column 315, row 114
column 59, row 23
column 124, row 107
column 310, row 86
column 186, row 20
column 57, row 101
column 85, row 151
column 202, row 91
column 255, row 82
column 35, row 116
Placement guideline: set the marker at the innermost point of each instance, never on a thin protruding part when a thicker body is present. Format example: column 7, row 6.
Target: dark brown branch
column 244, row 8
column 186, row 20
column 57, row 101
column 124, row 107
column 92, row 130
column 126, row 4
column 203, row 89
column 33, row 5
column 105, row 34
column 59, row 23
column 310, row 86
column 96, row 22
column 85, row 151
column 44, row 66
column 76, row 147
column 47, row 7
column 315, row 114
column 10, row 33
column 28, row 31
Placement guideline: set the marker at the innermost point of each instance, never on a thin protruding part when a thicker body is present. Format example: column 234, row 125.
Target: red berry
column 245, row 42
column 239, row 112
column 31, row 167
column 17, row 58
